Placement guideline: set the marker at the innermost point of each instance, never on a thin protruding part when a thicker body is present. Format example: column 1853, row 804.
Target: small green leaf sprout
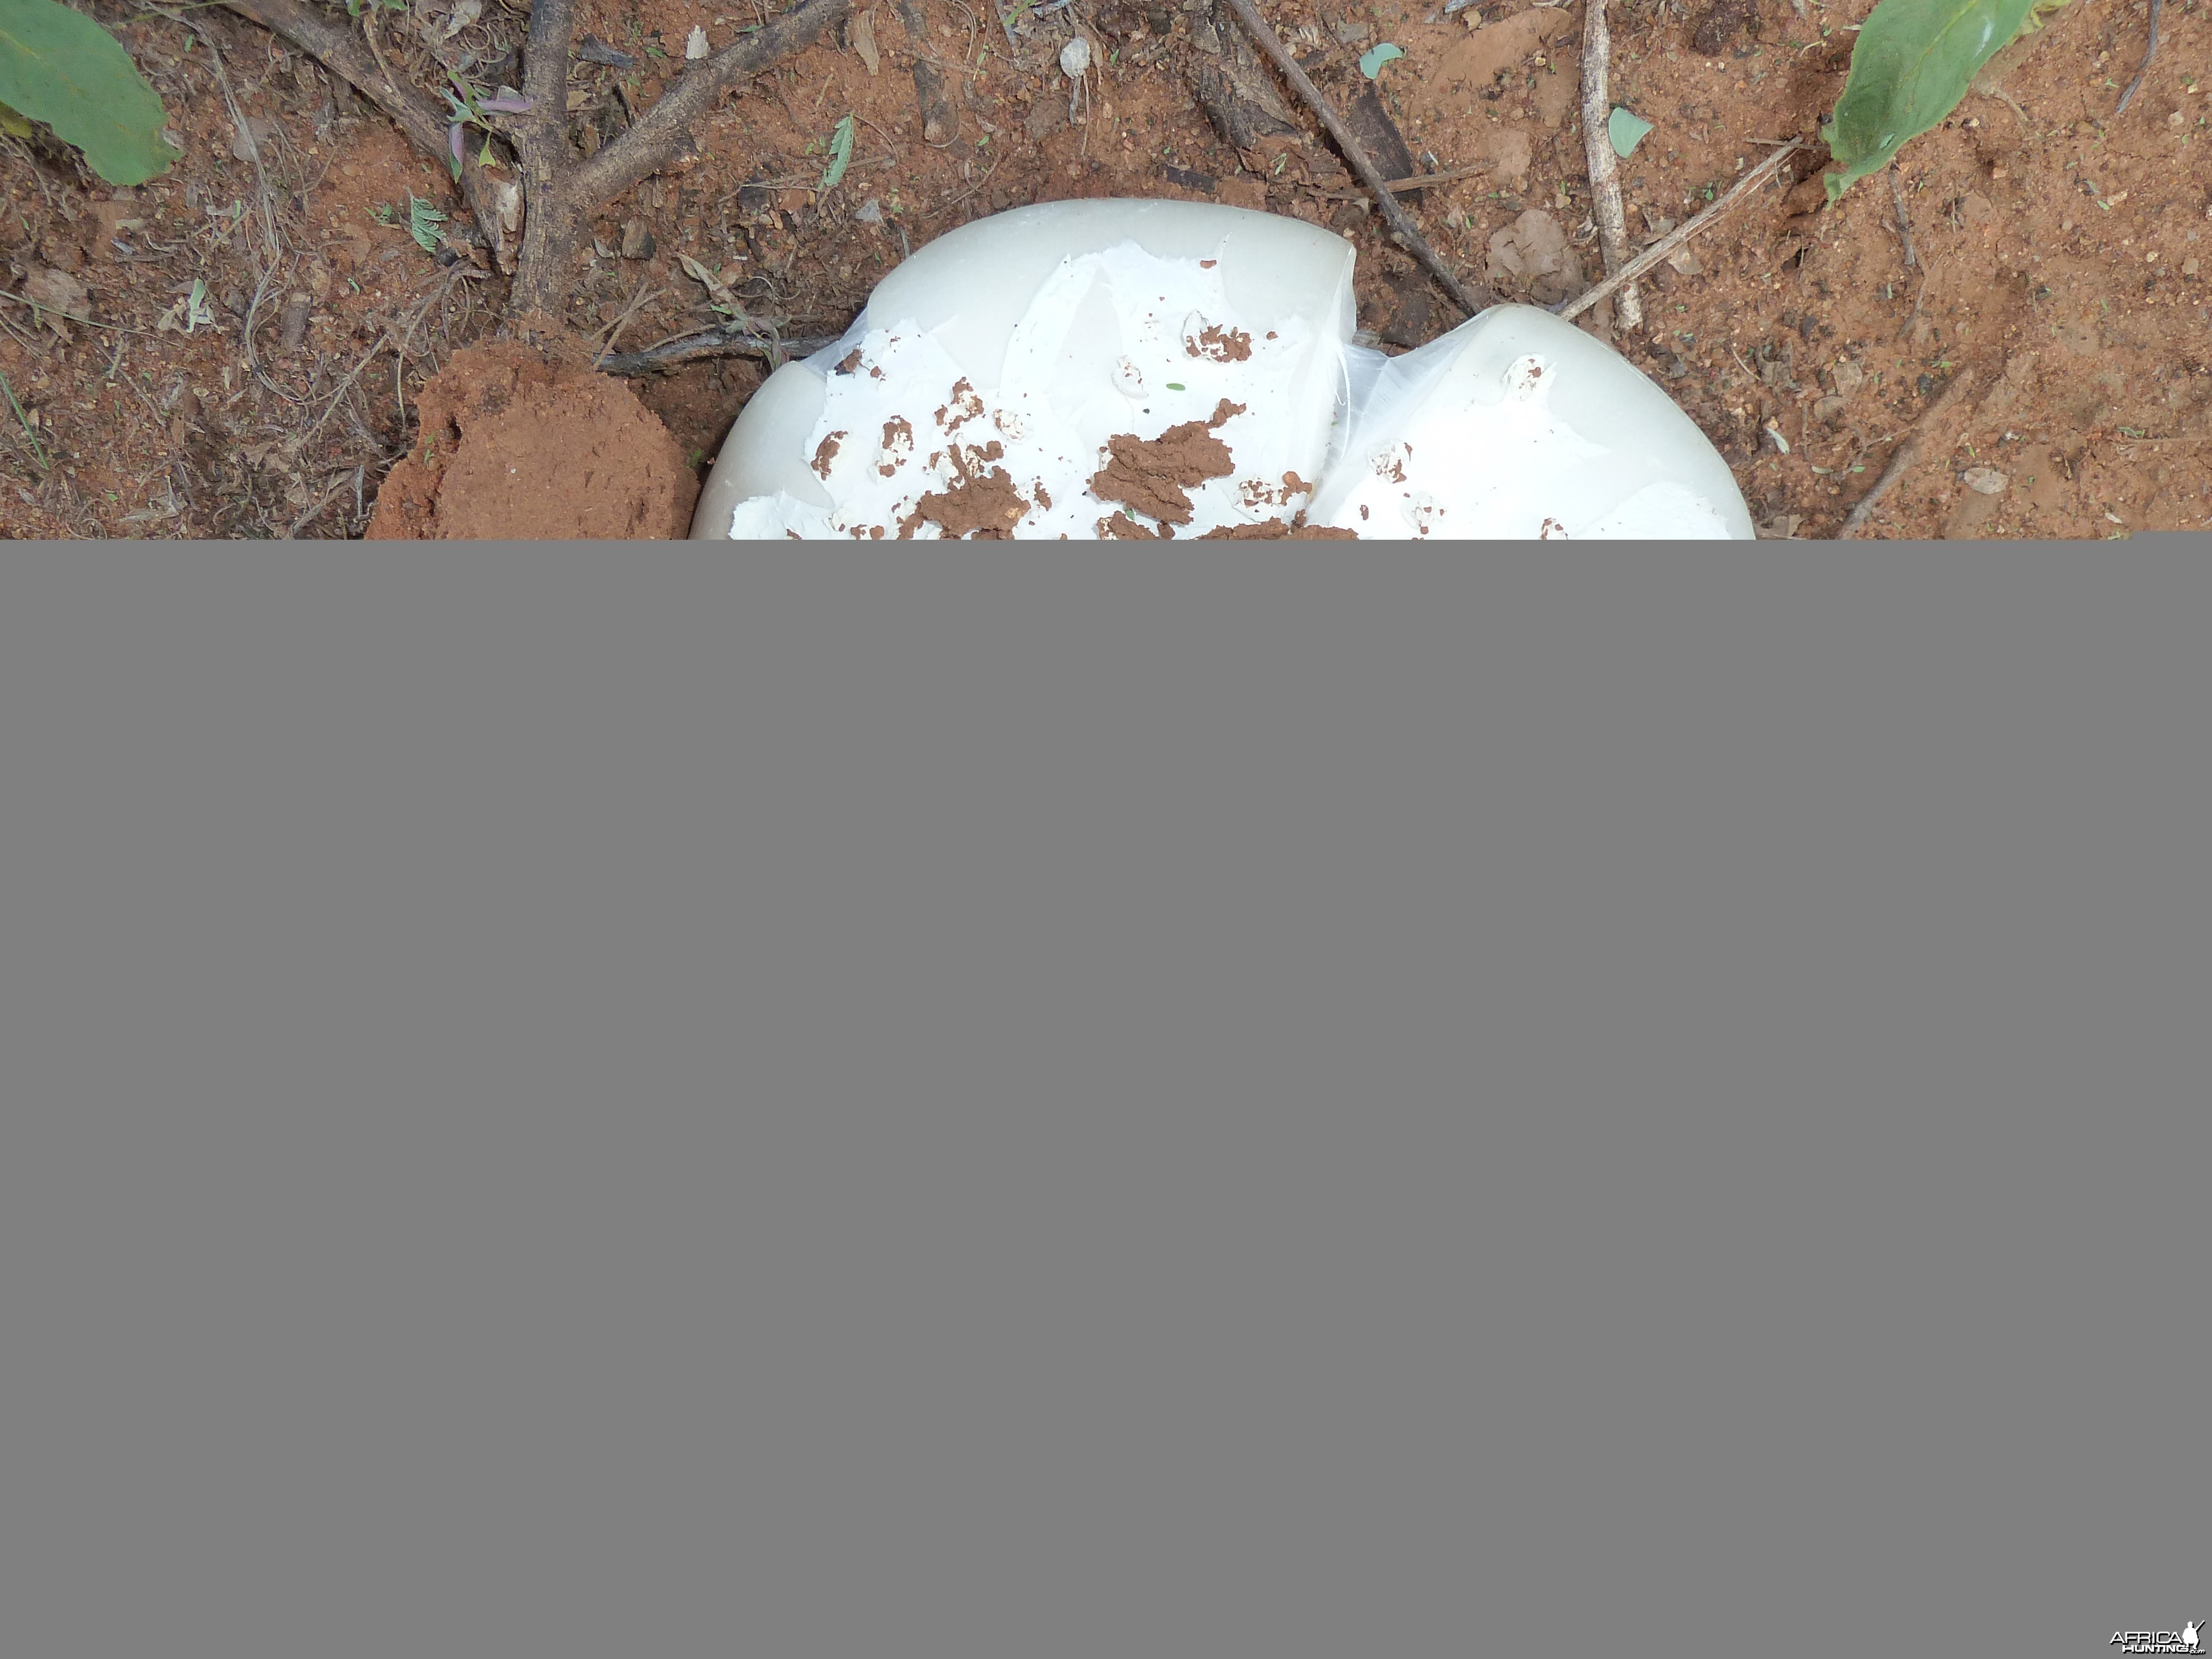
column 841, row 153
column 423, row 221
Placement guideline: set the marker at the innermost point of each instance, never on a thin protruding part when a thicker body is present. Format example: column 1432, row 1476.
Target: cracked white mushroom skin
column 1517, row 425
column 1067, row 325
column 1167, row 369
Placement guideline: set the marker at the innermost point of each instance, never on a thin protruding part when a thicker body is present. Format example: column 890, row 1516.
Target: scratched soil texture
column 2060, row 250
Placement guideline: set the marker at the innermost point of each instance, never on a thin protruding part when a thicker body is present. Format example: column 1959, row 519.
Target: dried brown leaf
column 57, row 290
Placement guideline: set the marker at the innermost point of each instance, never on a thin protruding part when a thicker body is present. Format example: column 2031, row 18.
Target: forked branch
column 558, row 189
column 346, row 55
column 1402, row 227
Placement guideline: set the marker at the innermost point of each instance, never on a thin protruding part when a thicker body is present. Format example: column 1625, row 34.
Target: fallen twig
column 966, row 193
column 329, row 496
column 246, row 135
column 558, row 188
column 653, row 142
column 342, row 54
column 1904, row 223
column 613, row 332
column 273, row 244
column 29, row 431
column 346, row 383
column 1919, row 298
column 1673, row 239
column 1597, row 146
column 383, row 339
column 1908, row 453
column 70, row 316
column 1402, row 228
column 2142, row 69
column 399, row 346
column 715, row 343
column 1400, row 186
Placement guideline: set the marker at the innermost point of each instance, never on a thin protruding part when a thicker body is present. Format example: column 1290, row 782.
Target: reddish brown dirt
column 1153, row 475
column 1222, row 345
column 985, row 504
column 512, row 446
column 1274, row 530
column 1121, row 527
column 2063, row 252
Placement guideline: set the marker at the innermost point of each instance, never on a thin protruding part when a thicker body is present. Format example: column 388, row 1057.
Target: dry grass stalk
column 1666, row 244
column 1597, row 146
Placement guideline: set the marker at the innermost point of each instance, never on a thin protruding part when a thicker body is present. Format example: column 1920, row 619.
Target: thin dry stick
column 399, row 349
column 1904, row 224
column 690, row 348
column 2143, row 68
column 608, row 336
column 1329, row 44
column 1597, row 146
column 1908, row 452
column 1681, row 233
column 1919, row 298
column 341, row 52
column 314, row 512
column 1399, row 186
column 1402, row 228
column 559, row 189
column 113, row 328
column 265, row 196
column 369, row 34
column 245, row 133
column 966, row 193
column 383, row 339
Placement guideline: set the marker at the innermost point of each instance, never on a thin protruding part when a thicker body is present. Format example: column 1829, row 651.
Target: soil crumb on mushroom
column 986, row 505
column 1223, row 345
column 1154, row 475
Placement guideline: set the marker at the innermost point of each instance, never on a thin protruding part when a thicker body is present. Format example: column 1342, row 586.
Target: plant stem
column 1666, row 244
column 1402, row 228
column 29, row 431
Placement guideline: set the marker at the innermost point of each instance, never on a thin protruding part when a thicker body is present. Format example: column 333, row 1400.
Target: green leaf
column 1371, row 62
column 841, row 153
column 423, row 221
column 60, row 67
column 1912, row 63
column 13, row 125
column 1626, row 129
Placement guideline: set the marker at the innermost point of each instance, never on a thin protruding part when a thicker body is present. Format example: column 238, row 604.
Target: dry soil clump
column 512, row 446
